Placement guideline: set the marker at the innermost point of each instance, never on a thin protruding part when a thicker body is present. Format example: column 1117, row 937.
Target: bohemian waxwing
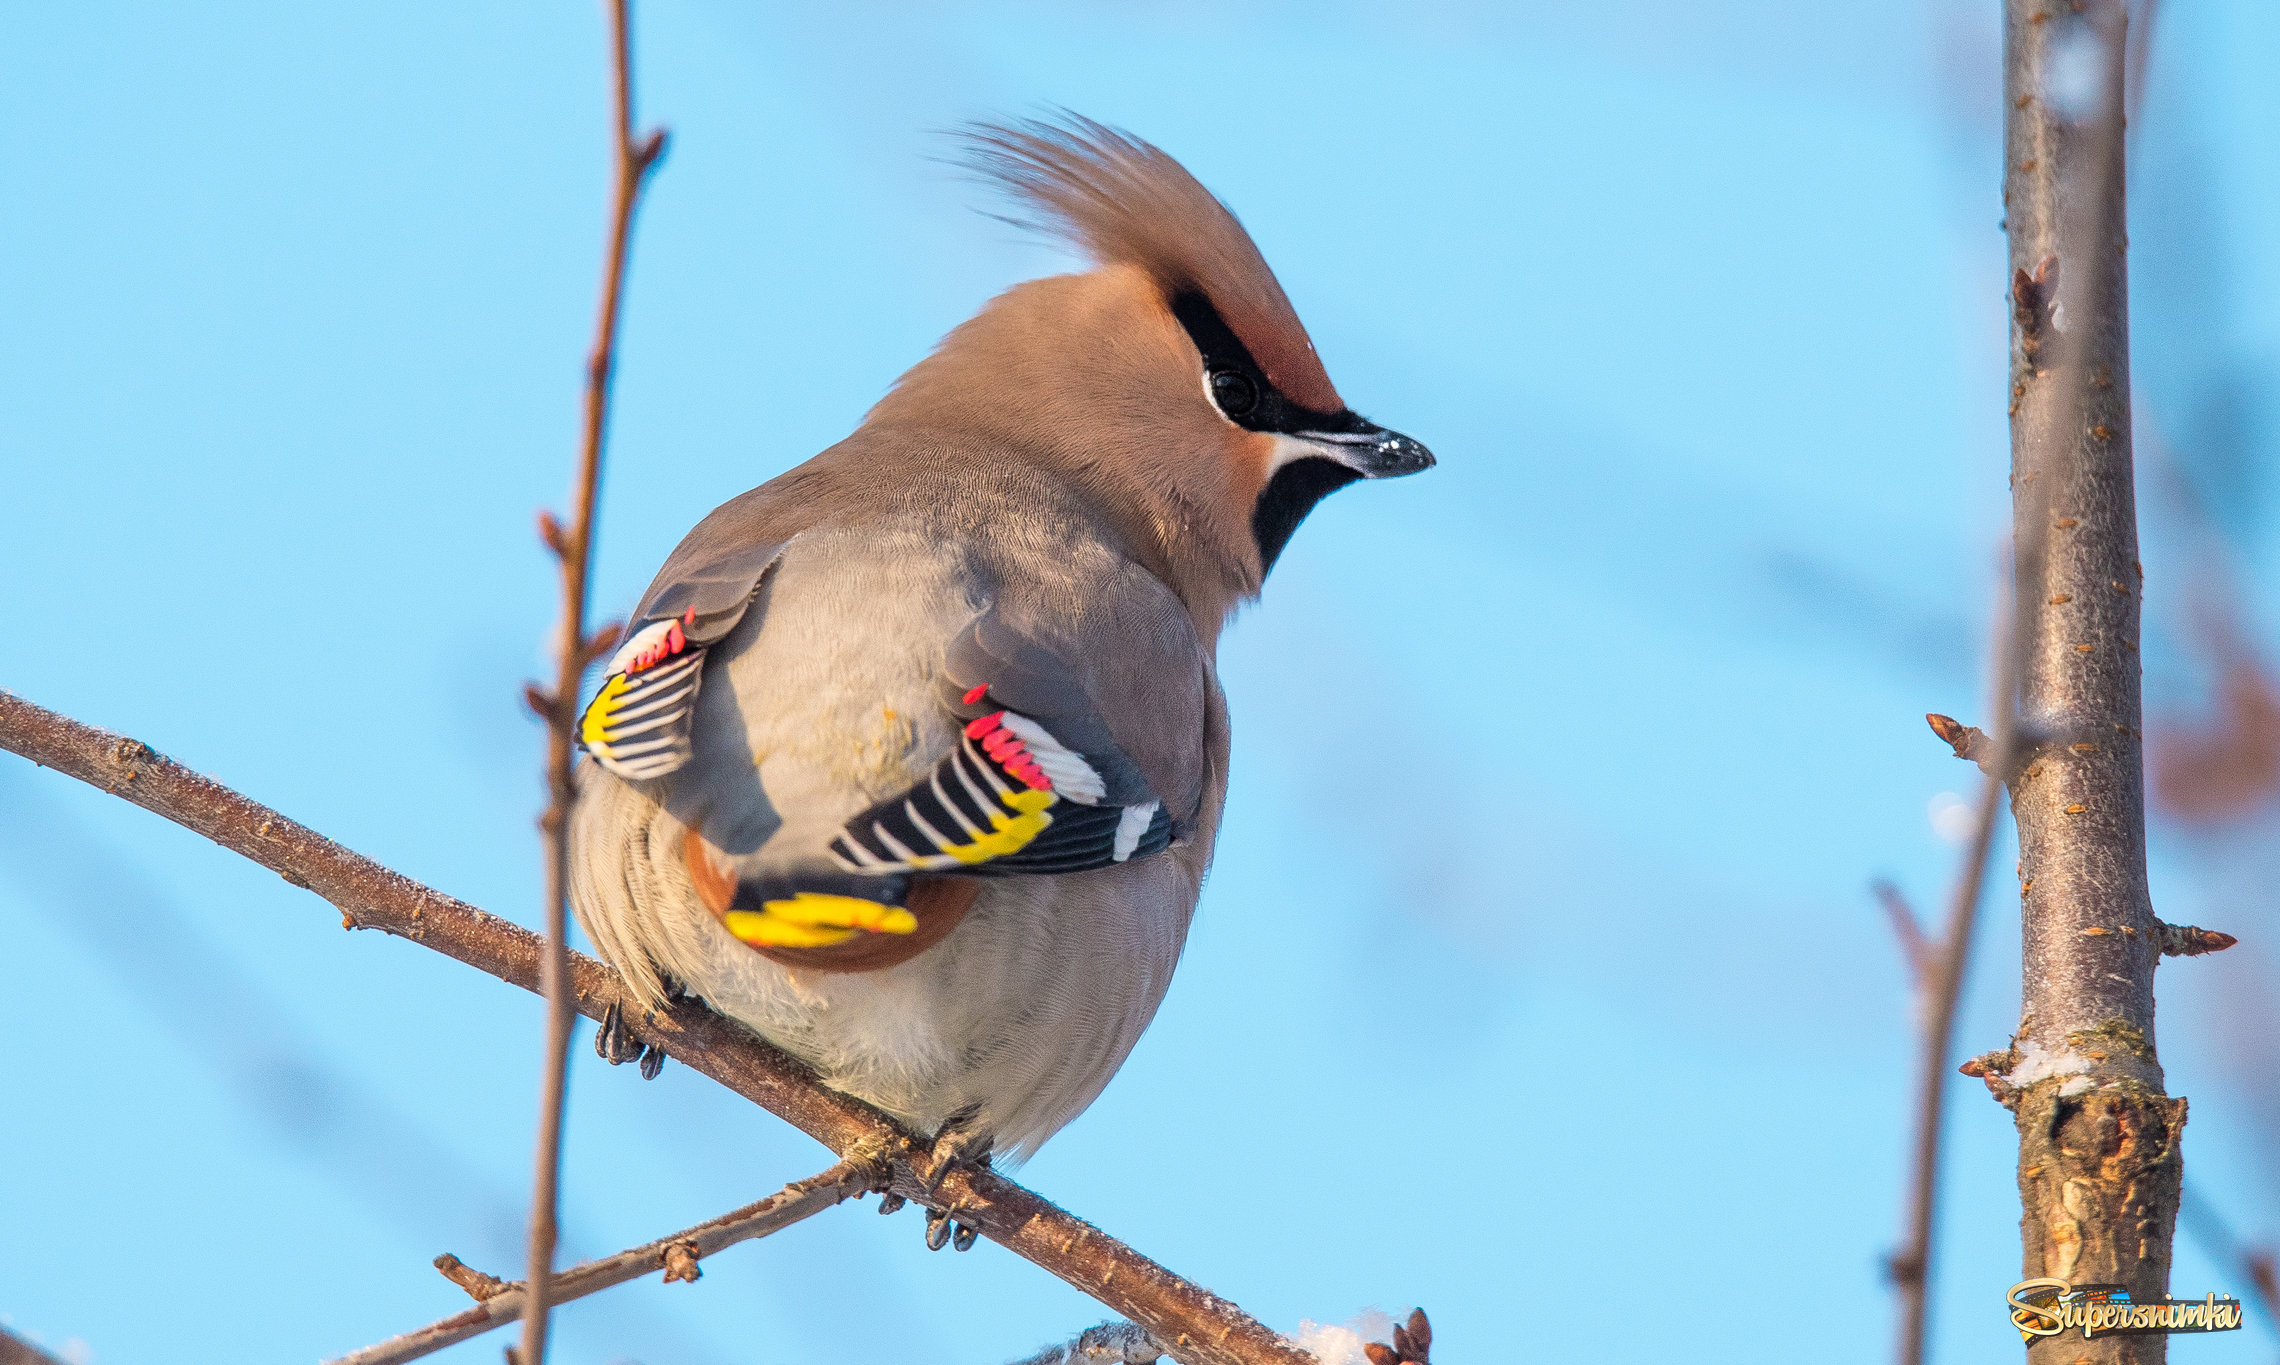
column 913, row 756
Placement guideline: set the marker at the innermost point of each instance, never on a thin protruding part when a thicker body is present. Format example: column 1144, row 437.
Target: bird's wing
column 1037, row 781
column 637, row 725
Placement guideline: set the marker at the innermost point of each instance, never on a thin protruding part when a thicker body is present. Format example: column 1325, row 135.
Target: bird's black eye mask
column 1240, row 388
column 1245, row 395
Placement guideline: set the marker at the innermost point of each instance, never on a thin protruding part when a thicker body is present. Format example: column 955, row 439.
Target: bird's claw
column 959, row 1146
column 614, row 1041
column 941, row 1228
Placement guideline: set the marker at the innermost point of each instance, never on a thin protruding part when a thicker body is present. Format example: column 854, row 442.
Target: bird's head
column 1174, row 380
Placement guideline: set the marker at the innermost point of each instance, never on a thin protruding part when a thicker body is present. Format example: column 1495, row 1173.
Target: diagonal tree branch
column 16, row 1350
column 499, row 1303
column 1198, row 1327
column 573, row 649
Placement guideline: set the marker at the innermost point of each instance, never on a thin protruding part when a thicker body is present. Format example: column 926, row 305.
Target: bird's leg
column 961, row 1145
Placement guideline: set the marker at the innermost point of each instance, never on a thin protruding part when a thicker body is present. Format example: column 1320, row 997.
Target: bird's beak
column 1370, row 450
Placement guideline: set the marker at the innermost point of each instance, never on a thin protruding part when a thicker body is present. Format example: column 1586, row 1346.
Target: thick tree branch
column 16, row 1350
column 676, row 1254
column 2099, row 1168
column 1199, row 1327
column 573, row 650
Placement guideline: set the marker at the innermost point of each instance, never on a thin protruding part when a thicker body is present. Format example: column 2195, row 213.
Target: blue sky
column 1538, row 965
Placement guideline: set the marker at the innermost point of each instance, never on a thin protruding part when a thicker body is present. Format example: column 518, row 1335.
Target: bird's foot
column 615, row 1043
column 959, row 1146
column 613, row 1040
column 942, row 1226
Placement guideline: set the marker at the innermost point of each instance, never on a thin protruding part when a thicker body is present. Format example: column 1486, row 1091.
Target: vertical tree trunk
column 2099, row 1170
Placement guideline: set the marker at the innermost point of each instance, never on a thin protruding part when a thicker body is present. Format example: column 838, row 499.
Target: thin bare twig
column 573, row 548
column 1940, row 984
column 676, row 1254
column 1198, row 1327
column 1914, row 946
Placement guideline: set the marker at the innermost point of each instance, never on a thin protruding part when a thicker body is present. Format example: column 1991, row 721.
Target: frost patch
column 2034, row 1062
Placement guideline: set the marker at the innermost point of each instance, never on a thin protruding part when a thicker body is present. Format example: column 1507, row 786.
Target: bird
column 912, row 759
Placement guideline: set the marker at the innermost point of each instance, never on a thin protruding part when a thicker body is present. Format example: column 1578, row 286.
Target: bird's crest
column 1122, row 201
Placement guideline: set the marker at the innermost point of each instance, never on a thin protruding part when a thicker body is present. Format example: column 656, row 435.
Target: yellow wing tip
column 816, row 919
column 594, row 726
column 771, row 931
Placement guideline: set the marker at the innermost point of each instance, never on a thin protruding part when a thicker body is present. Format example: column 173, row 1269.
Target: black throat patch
column 1289, row 495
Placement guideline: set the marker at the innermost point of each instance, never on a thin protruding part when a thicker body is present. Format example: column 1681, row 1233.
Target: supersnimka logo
column 2046, row 1308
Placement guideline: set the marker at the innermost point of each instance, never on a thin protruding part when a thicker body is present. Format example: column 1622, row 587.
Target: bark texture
column 2099, row 1172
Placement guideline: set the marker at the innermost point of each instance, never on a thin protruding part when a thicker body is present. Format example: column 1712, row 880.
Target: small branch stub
column 680, row 1262
column 479, row 1286
column 1993, row 1069
column 2034, row 307
column 2185, row 940
column 1971, row 744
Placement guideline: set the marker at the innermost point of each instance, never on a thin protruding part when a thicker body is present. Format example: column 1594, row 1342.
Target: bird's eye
column 1234, row 393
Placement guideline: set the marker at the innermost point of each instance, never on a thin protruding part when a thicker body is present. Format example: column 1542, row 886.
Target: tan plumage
column 1054, row 513
column 1123, row 202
